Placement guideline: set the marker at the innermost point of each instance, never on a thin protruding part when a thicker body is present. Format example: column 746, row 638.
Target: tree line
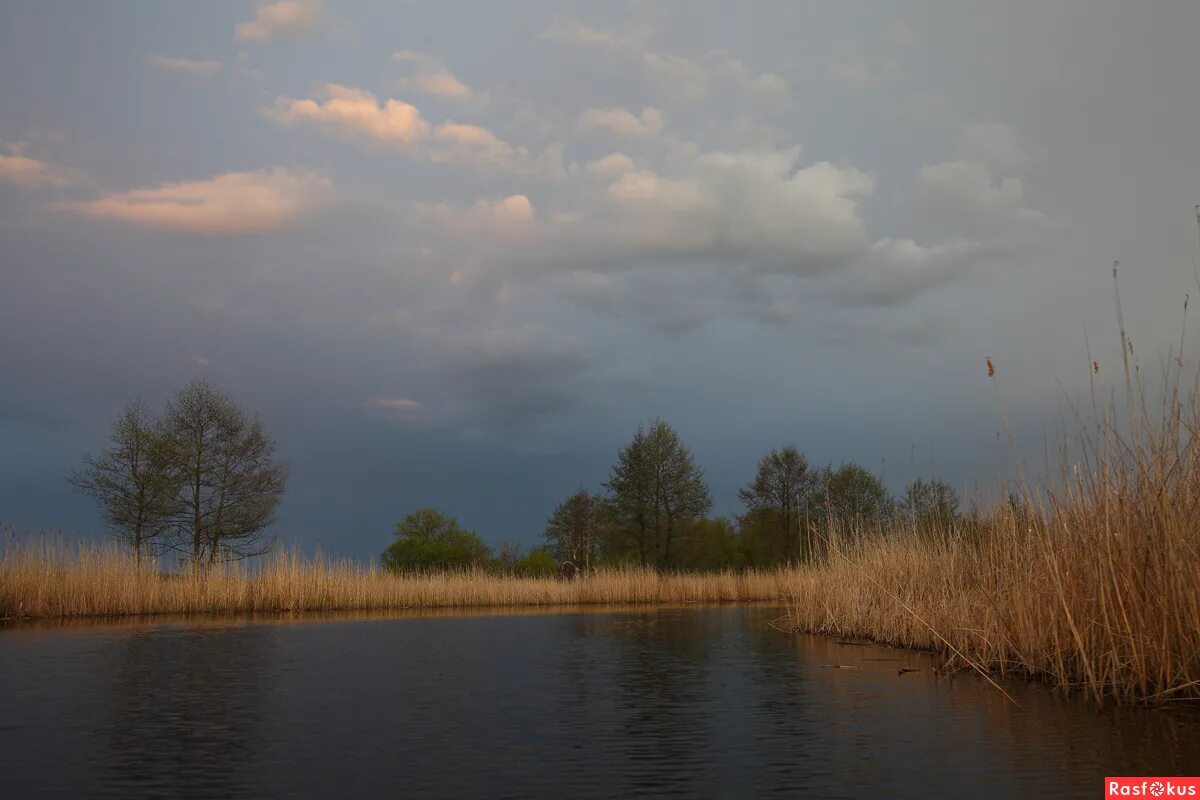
column 199, row 479
column 653, row 511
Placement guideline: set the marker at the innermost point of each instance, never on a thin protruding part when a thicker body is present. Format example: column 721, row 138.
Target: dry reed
column 1092, row 582
column 51, row 577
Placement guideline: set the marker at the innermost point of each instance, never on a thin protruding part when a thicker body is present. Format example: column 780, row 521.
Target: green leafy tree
column 710, row 544
column 132, row 481
column 573, row 531
column 785, row 498
column 854, row 497
column 658, row 490
column 428, row 540
column 633, row 501
column 539, row 562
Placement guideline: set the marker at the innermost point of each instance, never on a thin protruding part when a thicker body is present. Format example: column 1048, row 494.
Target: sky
column 453, row 253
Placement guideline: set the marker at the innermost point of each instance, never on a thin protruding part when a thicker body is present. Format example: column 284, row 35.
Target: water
column 669, row 702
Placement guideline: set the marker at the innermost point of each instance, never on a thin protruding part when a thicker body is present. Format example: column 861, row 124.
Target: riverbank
column 48, row 580
column 1081, row 602
column 1091, row 583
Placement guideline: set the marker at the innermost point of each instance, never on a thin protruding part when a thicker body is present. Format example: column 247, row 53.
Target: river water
column 694, row 702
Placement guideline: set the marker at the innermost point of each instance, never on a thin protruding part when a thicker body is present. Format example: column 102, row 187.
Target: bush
column 428, row 540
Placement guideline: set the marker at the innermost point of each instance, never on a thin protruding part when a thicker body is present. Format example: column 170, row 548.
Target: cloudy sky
column 452, row 253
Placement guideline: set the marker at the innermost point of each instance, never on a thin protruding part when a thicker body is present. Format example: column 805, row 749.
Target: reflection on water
column 683, row 702
column 184, row 701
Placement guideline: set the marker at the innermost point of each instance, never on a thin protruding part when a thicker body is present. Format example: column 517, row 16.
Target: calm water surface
column 669, row 702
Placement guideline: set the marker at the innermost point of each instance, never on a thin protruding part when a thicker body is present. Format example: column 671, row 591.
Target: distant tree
column 508, row 553
column 634, row 506
column 539, row 562
column 710, row 544
column 931, row 505
column 429, row 540
column 658, row 490
column 132, row 481
column 854, row 496
column 230, row 482
column 573, row 531
column 784, row 496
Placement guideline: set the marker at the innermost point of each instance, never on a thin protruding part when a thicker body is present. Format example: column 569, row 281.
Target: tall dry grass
column 1092, row 581
column 52, row 577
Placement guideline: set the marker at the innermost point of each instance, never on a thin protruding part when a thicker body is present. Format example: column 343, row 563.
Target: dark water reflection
column 654, row 703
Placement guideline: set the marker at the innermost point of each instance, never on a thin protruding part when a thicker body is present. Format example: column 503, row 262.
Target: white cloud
column 285, row 17
column 966, row 194
column 685, row 77
column 432, row 78
column 611, row 166
column 564, row 30
column 896, row 270
column 765, row 85
column 757, row 209
column 356, row 111
column 30, row 173
column 996, row 145
column 623, row 123
column 753, row 207
column 459, row 143
column 198, row 70
column 230, row 203
column 860, row 72
column 978, row 193
column 509, row 219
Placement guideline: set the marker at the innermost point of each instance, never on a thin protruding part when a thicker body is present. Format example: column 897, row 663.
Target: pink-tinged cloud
column 510, row 218
column 29, row 173
column 432, row 77
column 232, row 203
column 355, row 111
column 288, row 17
column 401, row 405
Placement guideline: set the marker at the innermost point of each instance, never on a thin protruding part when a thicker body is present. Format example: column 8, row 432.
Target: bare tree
column 574, row 529
column 132, row 481
column 230, row 483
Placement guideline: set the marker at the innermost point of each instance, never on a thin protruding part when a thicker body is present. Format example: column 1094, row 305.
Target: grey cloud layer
column 393, row 231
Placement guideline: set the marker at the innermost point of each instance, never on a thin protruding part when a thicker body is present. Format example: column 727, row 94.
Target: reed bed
column 1091, row 581
column 50, row 577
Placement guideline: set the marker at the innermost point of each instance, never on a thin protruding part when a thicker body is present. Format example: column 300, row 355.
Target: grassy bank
column 48, row 578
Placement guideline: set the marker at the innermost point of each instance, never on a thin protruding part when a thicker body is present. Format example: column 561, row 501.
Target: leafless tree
column 230, row 482
column 574, row 529
column 132, row 481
